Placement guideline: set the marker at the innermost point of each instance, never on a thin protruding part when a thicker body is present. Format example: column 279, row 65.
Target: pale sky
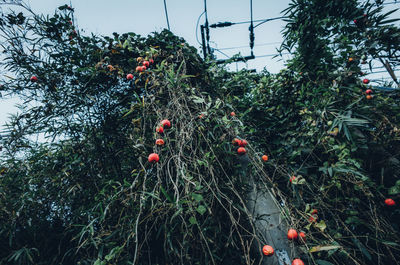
column 143, row 17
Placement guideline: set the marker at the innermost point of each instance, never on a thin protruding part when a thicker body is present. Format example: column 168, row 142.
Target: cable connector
column 221, row 24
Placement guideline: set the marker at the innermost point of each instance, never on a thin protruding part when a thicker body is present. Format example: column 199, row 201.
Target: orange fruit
column 264, row 158
column 297, row 262
column 160, row 129
column 390, row 202
column 153, row 158
column 241, row 151
column 302, row 236
column 139, row 59
column 292, row 234
column 160, row 142
column 166, row 124
column 268, row 250
column 368, row 97
column 242, row 143
column 233, row 114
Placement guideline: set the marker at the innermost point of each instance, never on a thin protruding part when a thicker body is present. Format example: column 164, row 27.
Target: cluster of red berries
column 242, row 144
column 291, row 235
column 164, row 124
column 140, row 68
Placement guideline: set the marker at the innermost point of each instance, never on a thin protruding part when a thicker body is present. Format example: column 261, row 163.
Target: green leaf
column 321, row 225
column 323, row 248
column 362, row 248
column 197, row 197
column 192, row 220
column 201, row 209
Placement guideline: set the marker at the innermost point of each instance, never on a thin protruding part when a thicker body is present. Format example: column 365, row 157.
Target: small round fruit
column 297, row 262
column 390, row 202
column 292, row 234
column 160, row 142
column 312, row 218
column 144, row 68
column 34, row 79
column 314, row 211
column 129, row 76
column 268, row 250
column 243, row 143
column 138, row 69
column 160, row 129
column 302, row 236
column 368, row 91
column 264, row 158
column 292, row 178
column 166, row 124
column 201, row 116
column 146, row 63
column 368, row 97
column 151, row 61
column 153, row 158
column 351, row 59
column 366, row 81
column 241, row 151
column 233, row 114
column 355, row 21
column 236, row 141
column 139, row 59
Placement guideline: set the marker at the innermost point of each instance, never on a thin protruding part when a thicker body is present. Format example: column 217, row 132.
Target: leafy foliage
column 86, row 195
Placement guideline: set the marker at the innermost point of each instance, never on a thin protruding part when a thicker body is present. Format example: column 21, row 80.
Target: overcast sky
column 143, row 17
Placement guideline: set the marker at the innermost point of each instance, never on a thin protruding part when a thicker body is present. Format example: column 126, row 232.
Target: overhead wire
column 197, row 27
column 166, row 14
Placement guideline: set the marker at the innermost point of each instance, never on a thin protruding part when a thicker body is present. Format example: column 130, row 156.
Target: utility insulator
column 221, row 24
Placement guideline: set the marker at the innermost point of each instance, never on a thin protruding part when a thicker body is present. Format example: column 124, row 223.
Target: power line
column 197, row 26
column 255, row 45
column 166, row 14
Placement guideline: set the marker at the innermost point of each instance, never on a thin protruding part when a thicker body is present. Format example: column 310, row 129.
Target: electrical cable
column 255, row 45
column 197, row 26
column 166, row 14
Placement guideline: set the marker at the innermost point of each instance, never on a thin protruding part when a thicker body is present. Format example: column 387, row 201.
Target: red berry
column 368, row 91
column 355, row 21
column 264, row 158
column 138, row 69
column 129, row 76
column 236, row 141
column 154, row 158
column 292, row 234
column 241, row 151
column 242, row 143
column 390, row 202
column 151, row 61
column 146, row 63
column 268, row 250
column 292, row 178
column 366, row 81
column 233, row 114
column 34, row 79
column 297, row 262
column 160, row 129
column 160, row 142
column 312, row 218
column 314, row 211
column 302, row 236
column 144, row 68
column 166, row 124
